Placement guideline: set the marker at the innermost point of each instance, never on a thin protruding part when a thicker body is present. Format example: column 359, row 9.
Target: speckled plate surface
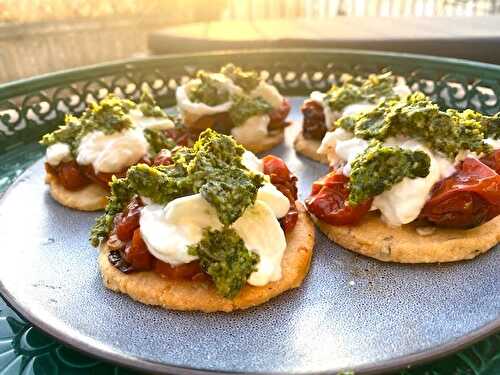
column 352, row 313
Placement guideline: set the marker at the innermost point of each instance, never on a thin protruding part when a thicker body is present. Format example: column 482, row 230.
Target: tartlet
column 111, row 135
column 235, row 102
column 214, row 228
column 410, row 183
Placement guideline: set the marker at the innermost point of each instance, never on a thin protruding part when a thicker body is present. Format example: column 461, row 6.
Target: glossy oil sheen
column 351, row 312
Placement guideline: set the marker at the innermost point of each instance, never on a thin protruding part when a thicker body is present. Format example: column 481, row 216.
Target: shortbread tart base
column 404, row 244
column 90, row 198
column 309, row 148
column 152, row 289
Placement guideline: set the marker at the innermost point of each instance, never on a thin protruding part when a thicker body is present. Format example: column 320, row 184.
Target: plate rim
column 79, row 343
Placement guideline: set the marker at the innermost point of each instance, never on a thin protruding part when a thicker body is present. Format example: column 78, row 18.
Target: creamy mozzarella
column 262, row 235
column 114, row 152
column 404, row 201
column 57, row 153
column 495, row 143
column 401, row 89
column 276, row 201
column 341, row 146
column 252, row 131
column 269, row 93
column 252, row 162
column 168, row 231
column 155, row 123
column 197, row 110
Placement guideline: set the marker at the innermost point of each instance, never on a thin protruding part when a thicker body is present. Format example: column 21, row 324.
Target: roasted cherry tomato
column 286, row 183
column 278, row 115
column 466, row 199
column 136, row 253
column 164, row 157
column 183, row 271
column 313, row 125
column 129, row 220
column 71, row 177
column 493, row 160
column 328, row 201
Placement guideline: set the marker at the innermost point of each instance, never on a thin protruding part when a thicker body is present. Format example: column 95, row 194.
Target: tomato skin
column 278, row 115
column 328, row 201
column 313, row 124
column 286, row 183
column 164, row 157
column 129, row 221
column 136, row 253
column 492, row 161
column 182, row 271
column 70, row 176
column 466, row 199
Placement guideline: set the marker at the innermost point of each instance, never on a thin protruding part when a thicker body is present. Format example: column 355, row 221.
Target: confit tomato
column 278, row 115
column 286, row 183
column 493, row 160
column 328, row 201
column 136, row 253
column 164, row 157
column 182, row 271
column 466, row 199
column 128, row 222
column 70, row 176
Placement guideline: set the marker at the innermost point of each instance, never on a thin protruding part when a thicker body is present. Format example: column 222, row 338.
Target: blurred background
column 40, row 36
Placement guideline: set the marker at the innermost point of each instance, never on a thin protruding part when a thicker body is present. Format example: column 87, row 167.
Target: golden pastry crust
column 375, row 239
column 90, row 198
column 272, row 140
column 152, row 289
column 309, row 147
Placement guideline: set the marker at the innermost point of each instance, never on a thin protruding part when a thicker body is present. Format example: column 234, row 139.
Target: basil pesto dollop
column 355, row 90
column 212, row 167
column 381, row 167
column 247, row 80
column 417, row 117
column 245, row 107
column 148, row 106
column 224, row 256
column 212, row 90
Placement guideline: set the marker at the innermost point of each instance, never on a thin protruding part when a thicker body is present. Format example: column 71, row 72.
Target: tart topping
column 198, row 195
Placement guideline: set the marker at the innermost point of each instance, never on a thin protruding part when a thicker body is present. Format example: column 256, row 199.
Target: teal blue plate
column 352, row 313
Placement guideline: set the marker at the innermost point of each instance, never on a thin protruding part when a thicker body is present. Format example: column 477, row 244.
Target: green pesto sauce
column 381, row 167
column 210, row 90
column 356, row 90
column 245, row 107
column 417, row 117
column 148, row 106
column 158, row 140
column 224, row 256
column 247, row 80
column 118, row 200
